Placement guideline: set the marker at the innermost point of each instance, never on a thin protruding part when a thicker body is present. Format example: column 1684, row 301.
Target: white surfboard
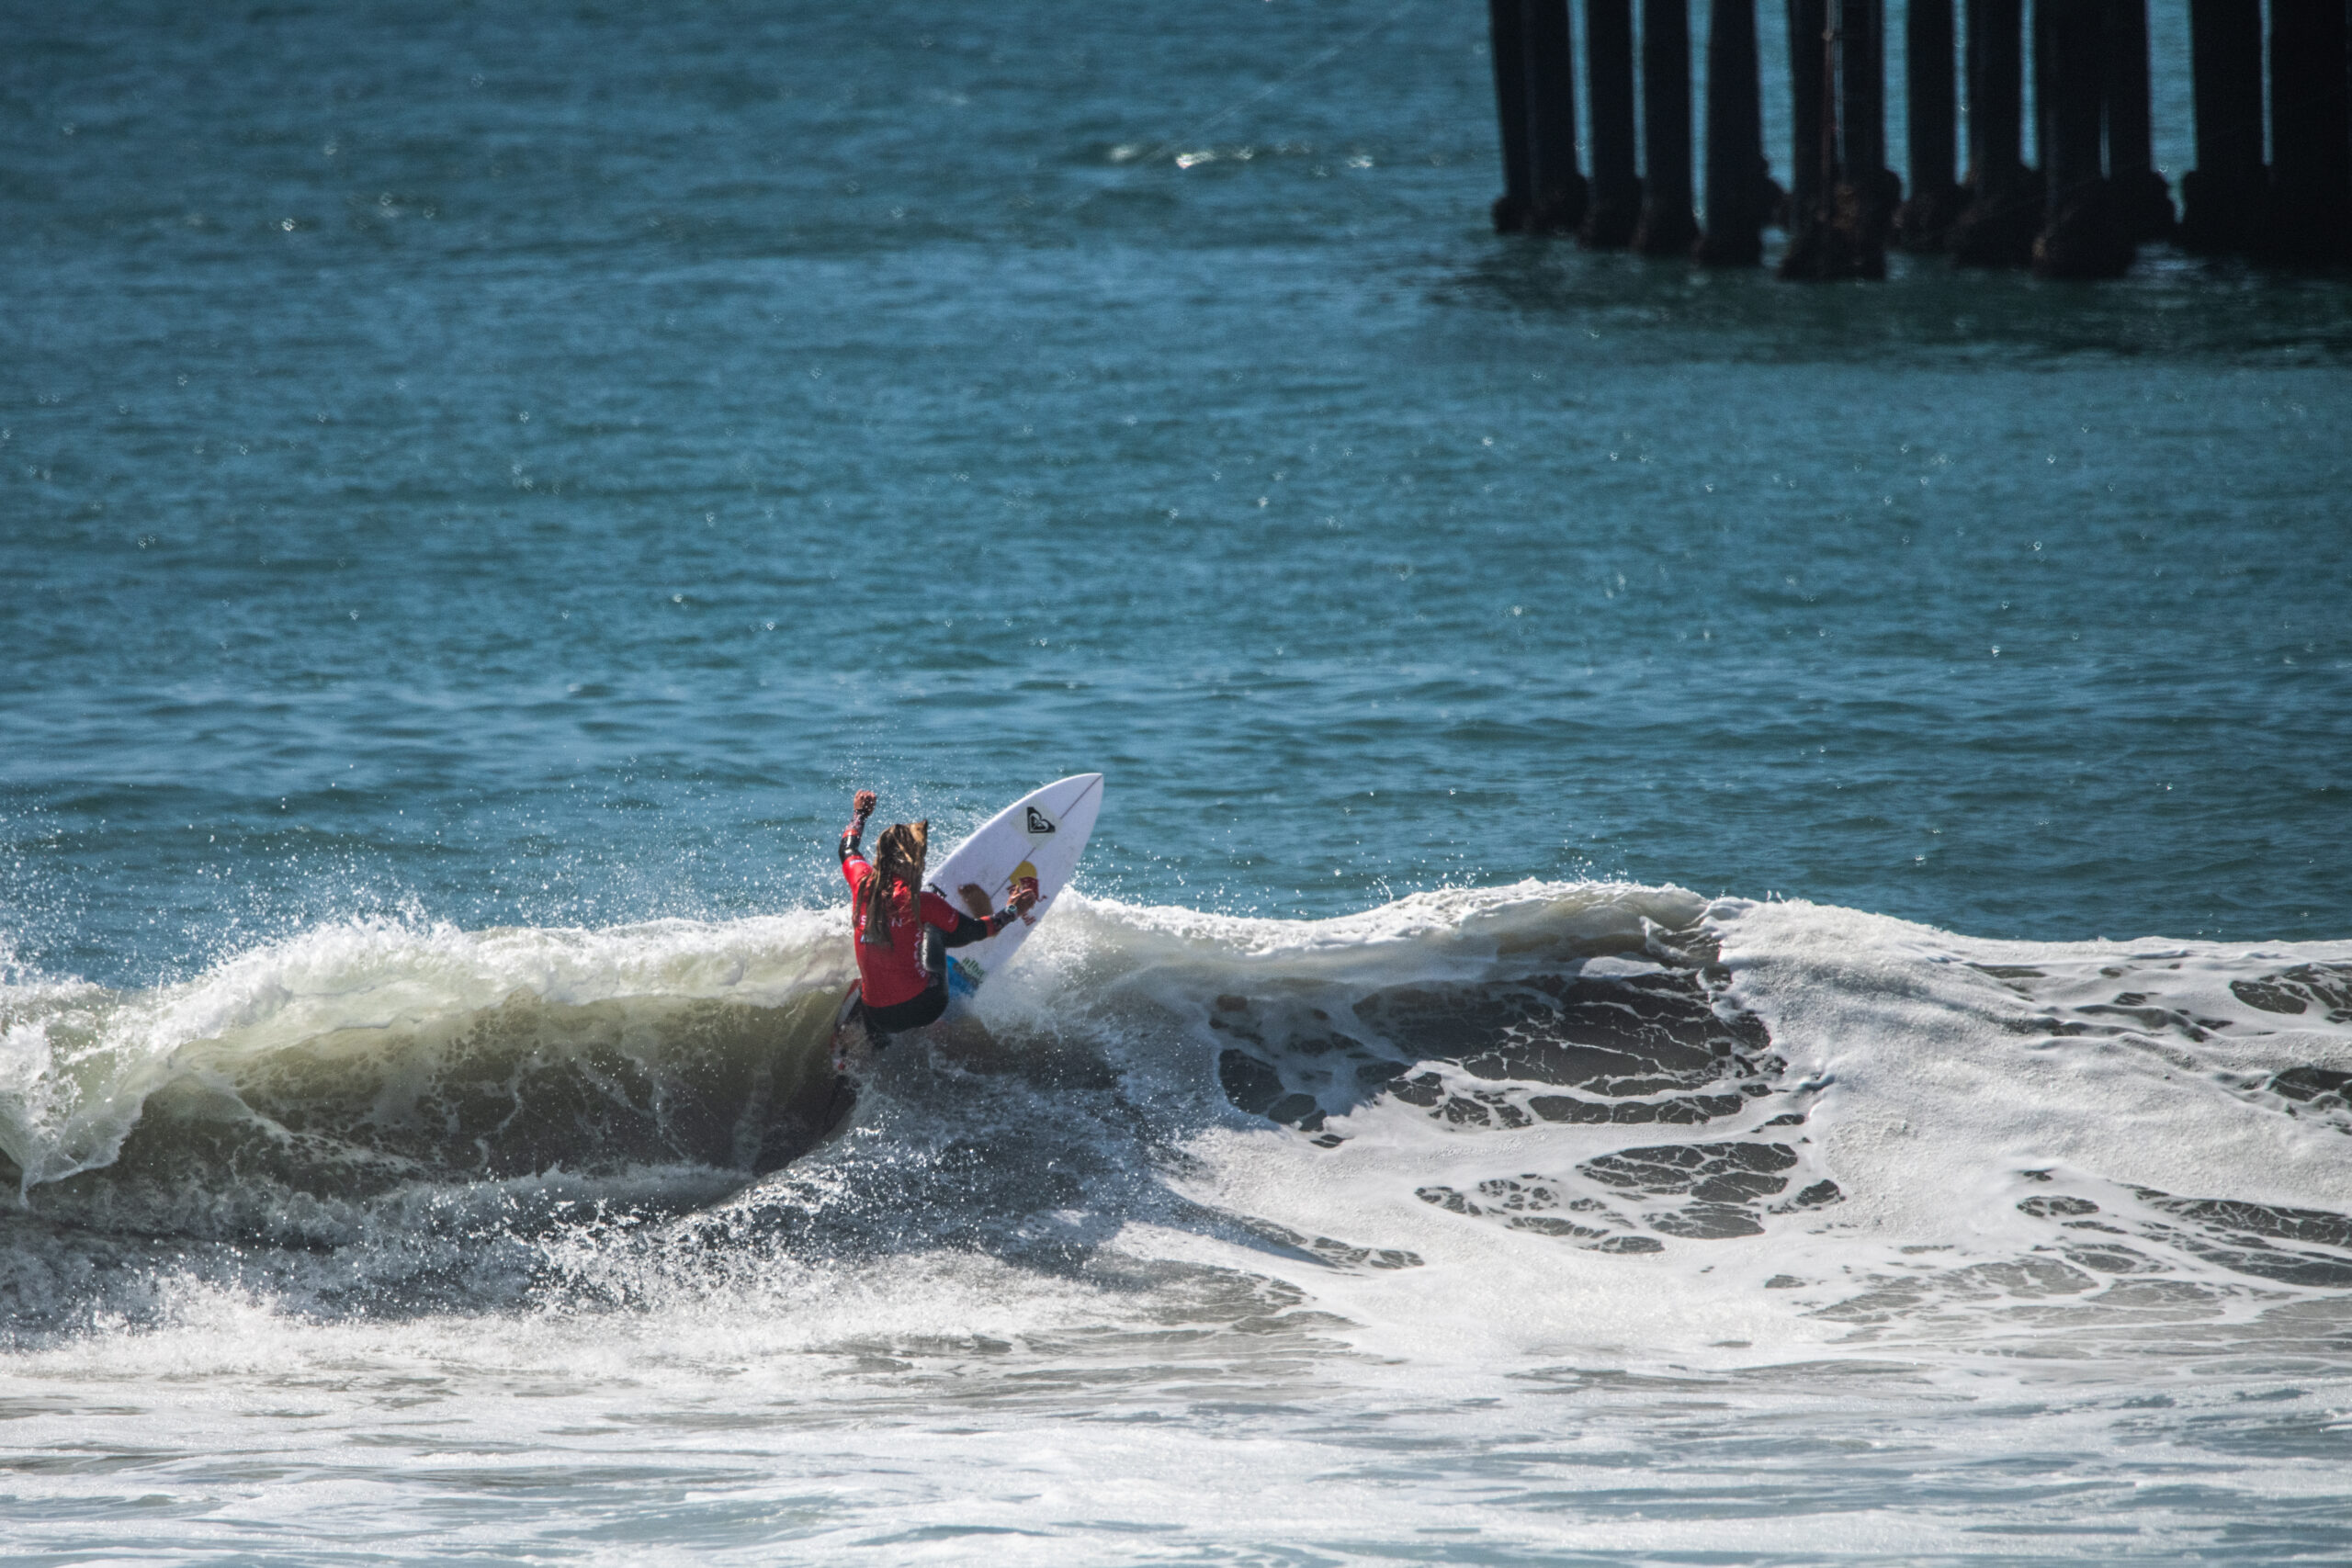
column 1040, row 835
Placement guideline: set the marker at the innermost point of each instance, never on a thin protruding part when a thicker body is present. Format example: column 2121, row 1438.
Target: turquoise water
column 480, row 488
column 423, row 422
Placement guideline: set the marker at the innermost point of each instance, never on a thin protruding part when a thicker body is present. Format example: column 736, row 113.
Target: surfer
column 901, row 930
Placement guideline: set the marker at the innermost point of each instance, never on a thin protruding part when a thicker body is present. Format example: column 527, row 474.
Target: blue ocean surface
column 1719, row 931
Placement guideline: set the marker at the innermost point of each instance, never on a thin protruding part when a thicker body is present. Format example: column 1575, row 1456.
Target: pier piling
column 1507, row 45
column 1801, row 213
column 2082, row 236
column 2222, row 197
column 1740, row 192
column 2311, row 135
column 2143, row 202
column 1843, row 231
column 1862, row 68
column 1813, row 140
column 1668, row 227
column 1615, row 206
column 2004, row 210
column 1930, row 72
column 1556, row 189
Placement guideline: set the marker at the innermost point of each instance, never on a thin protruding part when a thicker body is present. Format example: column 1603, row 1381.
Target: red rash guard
column 895, row 974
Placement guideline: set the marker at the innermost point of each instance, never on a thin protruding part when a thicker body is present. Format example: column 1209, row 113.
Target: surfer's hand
column 864, row 804
column 1024, row 895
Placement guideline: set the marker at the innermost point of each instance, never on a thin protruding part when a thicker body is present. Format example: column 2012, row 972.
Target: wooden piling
column 2004, row 198
column 1839, row 230
column 2082, row 236
column 1871, row 191
column 1996, row 85
column 1862, row 61
column 1812, row 154
column 1556, row 187
column 1930, row 70
column 1813, row 94
column 1668, row 227
column 1506, row 44
column 2311, row 135
column 2143, row 202
column 2223, row 198
column 1740, row 192
column 1615, row 206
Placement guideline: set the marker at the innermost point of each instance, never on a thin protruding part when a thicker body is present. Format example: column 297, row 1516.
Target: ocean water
column 1719, row 931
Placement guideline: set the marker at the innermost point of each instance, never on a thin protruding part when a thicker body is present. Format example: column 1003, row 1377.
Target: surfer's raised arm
column 860, row 809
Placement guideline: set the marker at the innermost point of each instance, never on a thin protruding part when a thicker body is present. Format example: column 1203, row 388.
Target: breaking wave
column 1820, row 1124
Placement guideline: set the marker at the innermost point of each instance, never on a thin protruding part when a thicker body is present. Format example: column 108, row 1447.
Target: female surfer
column 902, row 929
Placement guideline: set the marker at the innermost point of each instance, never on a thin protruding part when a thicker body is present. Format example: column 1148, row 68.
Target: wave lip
column 369, row 1051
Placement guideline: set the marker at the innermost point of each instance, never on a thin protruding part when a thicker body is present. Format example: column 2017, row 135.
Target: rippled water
column 478, row 489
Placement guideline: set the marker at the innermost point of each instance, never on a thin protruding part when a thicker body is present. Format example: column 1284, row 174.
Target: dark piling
column 1812, row 159
column 1930, row 69
column 1556, row 187
column 1507, row 43
column 2222, row 197
column 2311, row 135
column 1616, row 194
column 1668, row 227
column 1741, row 196
column 1853, row 215
column 1861, row 68
column 2003, row 198
column 2143, row 202
column 2083, row 236
column 1839, row 219
column 1813, row 150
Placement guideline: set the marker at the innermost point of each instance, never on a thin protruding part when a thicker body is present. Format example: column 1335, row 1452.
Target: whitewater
column 1486, row 1225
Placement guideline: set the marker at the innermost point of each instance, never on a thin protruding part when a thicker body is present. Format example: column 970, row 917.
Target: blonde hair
column 898, row 858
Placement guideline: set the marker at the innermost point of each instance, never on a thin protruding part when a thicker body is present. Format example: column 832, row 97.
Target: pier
column 2272, row 122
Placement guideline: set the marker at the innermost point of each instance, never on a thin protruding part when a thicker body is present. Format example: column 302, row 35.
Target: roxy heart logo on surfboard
column 1039, row 823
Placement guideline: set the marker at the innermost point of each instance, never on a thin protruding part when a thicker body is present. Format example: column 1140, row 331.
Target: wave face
column 310, row 1094
column 1825, row 1125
